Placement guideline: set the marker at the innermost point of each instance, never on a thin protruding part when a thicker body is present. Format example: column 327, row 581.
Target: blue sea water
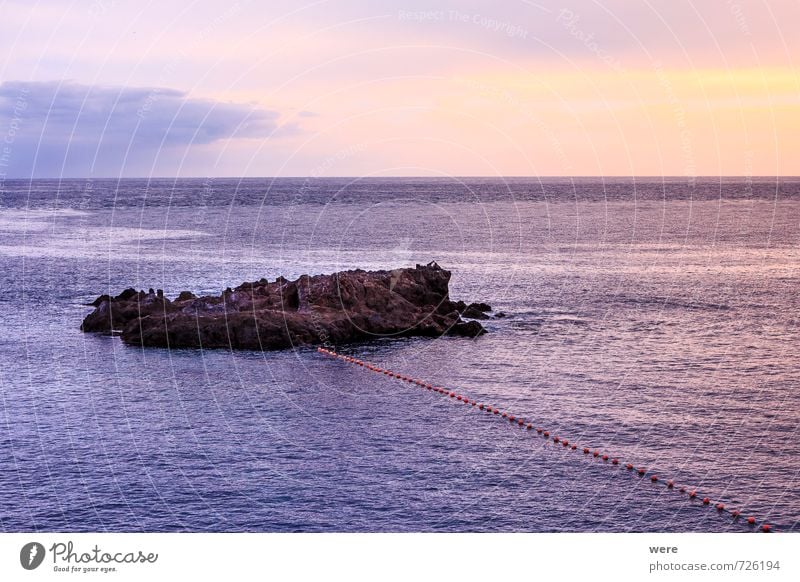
column 654, row 319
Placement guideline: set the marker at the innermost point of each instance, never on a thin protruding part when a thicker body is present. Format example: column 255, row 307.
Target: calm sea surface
column 651, row 319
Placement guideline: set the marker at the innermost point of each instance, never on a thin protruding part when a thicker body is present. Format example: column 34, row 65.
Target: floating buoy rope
column 525, row 424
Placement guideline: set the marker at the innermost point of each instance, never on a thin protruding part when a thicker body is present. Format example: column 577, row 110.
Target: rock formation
column 344, row 307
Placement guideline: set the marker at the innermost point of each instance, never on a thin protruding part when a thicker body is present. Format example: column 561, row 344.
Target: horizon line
column 420, row 177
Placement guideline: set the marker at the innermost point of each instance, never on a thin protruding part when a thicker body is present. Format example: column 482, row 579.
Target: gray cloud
column 70, row 129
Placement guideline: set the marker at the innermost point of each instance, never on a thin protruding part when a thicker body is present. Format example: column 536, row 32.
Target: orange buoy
column 539, row 431
column 720, row 506
column 751, row 520
column 474, row 403
column 629, row 466
column 604, row 457
column 565, row 443
column 670, row 484
column 458, row 397
column 692, row 494
column 641, row 471
column 520, row 422
column 480, row 406
column 496, row 411
column 530, row 426
column 596, row 454
column 585, row 451
column 546, row 434
column 766, row 528
column 573, row 447
column 429, row 386
column 614, row 461
column 682, row 489
column 505, row 415
column 654, row 478
column 735, row 513
column 556, row 439
column 706, row 501
column 511, row 418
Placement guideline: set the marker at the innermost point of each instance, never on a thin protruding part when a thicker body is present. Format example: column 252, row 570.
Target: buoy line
column 527, row 425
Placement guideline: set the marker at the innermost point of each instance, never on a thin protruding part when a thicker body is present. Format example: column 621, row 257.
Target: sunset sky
column 345, row 88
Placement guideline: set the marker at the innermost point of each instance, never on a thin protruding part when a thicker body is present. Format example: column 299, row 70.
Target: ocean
column 653, row 318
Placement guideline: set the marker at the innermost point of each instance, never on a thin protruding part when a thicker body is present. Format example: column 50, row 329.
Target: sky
column 111, row 88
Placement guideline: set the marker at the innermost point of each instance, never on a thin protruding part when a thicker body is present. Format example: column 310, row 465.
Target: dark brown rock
column 321, row 309
column 473, row 310
column 99, row 300
column 186, row 296
column 127, row 294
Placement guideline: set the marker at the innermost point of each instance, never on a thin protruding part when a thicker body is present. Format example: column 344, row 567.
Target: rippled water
column 653, row 320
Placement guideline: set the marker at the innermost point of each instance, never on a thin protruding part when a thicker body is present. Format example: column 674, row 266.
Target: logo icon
column 31, row 555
